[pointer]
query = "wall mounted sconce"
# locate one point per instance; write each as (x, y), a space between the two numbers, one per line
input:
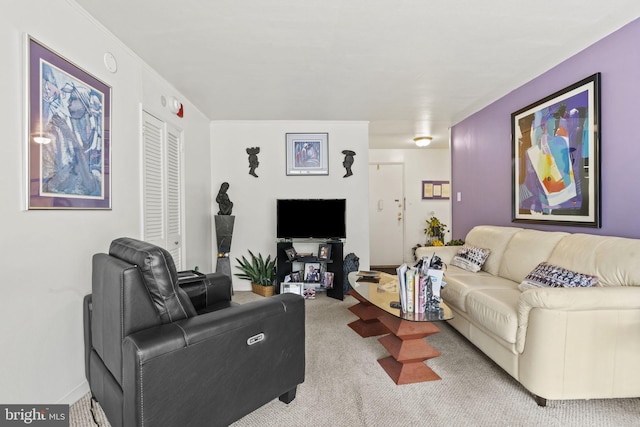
(422, 141)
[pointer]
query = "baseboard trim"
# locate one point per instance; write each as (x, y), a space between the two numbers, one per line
(76, 394)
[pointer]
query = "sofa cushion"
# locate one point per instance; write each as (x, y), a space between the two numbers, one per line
(495, 310)
(493, 238)
(525, 250)
(613, 259)
(470, 258)
(552, 276)
(459, 283)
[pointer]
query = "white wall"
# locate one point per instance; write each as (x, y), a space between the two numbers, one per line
(46, 255)
(254, 199)
(419, 165)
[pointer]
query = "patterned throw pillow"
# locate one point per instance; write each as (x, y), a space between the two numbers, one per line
(552, 276)
(470, 258)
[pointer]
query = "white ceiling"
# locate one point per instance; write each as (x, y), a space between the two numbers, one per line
(408, 66)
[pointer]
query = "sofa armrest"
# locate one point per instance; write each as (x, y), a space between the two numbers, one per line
(213, 354)
(579, 343)
(573, 299)
(446, 253)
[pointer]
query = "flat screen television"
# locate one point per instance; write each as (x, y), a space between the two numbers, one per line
(311, 219)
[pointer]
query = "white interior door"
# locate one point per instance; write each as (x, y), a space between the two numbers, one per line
(386, 214)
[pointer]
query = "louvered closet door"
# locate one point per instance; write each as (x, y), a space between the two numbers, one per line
(162, 189)
(174, 196)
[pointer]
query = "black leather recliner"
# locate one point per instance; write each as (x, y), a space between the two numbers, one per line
(151, 359)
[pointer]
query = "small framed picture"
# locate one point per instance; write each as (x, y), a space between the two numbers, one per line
(291, 253)
(307, 153)
(292, 288)
(324, 251)
(294, 276)
(327, 280)
(312, 272)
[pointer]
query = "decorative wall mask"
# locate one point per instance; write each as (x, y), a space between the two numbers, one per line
(348, 161)
(253, 160)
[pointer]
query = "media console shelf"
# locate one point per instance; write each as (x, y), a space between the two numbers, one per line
(333, 264)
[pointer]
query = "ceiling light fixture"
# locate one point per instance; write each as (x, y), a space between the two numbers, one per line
(422, 141)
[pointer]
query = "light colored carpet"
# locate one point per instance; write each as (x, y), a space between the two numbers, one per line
(345, 386)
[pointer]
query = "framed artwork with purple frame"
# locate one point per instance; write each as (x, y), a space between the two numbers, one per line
(68, 155)
(436, 190)
(556, 158)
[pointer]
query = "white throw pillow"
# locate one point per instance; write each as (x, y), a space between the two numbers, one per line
(470, 258)
(552, 276)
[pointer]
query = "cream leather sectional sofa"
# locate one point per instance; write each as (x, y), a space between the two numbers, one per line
(559, 343)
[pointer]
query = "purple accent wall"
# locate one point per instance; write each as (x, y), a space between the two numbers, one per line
(481, 144)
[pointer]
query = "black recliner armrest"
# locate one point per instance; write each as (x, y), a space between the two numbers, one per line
(234, 360)
(207, 292)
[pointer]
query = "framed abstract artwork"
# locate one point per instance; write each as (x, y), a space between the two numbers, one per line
(307, 153)
(68, 155)
(556, 158)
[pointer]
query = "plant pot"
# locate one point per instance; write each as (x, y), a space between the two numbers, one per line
(265, 291)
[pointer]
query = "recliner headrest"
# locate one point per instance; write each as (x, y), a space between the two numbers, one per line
(159, 273)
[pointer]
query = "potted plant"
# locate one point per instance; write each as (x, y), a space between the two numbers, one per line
(436, 231)
(260, 271)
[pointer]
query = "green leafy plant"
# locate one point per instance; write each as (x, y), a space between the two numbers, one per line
(435, 230)
(455, 242)
(258, 270)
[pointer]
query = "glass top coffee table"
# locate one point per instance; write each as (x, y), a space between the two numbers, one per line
(405, 332)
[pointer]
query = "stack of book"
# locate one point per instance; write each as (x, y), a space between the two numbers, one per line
(419, 286)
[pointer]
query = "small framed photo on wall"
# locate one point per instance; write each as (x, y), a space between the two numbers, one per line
(307, 153)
